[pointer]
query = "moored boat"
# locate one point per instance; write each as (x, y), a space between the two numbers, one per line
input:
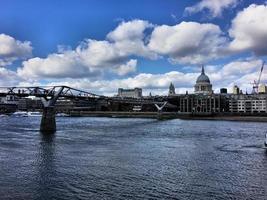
(62, 115)
(34, 114)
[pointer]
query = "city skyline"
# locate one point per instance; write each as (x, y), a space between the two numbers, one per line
(132, 44)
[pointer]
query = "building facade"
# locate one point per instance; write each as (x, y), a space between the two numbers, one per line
(199, 103)
(236, 89)
(262, 89)
(130, 93)
(248, 103)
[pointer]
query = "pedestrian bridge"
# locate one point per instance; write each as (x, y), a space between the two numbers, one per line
(50, 94)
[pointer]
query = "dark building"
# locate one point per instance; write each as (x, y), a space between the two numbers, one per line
(223, 91)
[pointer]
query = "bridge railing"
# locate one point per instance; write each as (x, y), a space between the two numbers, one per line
(47, 91)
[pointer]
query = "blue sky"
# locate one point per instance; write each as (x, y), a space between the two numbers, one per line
(40, 29)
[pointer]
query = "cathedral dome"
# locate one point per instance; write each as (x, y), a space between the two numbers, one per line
(203, 78)
(203, 85)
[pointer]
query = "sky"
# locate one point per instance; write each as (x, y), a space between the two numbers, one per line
(102, 45)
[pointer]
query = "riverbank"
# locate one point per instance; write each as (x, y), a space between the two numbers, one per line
(168, 115)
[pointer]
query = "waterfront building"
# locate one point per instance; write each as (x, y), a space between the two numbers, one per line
(203, 85)
(130, 93)
(248, 103)
(10, 99)
(171, 90)
(192, 103)
(29, 104)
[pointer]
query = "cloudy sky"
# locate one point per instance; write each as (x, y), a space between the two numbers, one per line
(101, 45)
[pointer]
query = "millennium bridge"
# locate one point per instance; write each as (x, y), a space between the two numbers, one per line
(50, 94)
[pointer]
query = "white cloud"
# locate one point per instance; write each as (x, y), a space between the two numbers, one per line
(127, 68)
(8, 77)
(92, 57)
(131, 30)
(215, 7)
(130, 38)
(11, 49)
(188, 42)
(249, 30)
(155, 83)
(54, 66)
(239, 68)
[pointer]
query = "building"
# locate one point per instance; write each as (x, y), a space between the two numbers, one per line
(10, 99)
(248, 103)
(171, 90)
(130, 93)
(203, 101)
(203, 85)
(27, 104)
(236, 89)
(262, 89)
(223, 90)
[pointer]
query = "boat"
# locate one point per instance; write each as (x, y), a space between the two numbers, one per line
(34, 114)
(265, 142)
(62, 115)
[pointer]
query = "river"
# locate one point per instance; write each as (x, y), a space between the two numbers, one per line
(111, 158)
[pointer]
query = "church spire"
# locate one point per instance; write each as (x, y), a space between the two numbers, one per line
(202, 70)
(171, 89)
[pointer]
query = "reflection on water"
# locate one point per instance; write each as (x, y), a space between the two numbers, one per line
(102, 158)
(46, 166)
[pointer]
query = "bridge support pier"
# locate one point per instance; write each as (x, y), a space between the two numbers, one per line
(48, 122)
(160, 108)
(159, 116)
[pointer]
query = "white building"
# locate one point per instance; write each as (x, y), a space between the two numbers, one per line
(248, 104)
(262, 88)
(236, 89)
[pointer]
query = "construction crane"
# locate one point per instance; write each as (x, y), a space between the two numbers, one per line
(255, 89)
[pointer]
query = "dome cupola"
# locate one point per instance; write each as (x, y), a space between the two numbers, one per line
(203, 85)
(203, 78)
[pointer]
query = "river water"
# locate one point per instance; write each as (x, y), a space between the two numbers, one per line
(110, 158)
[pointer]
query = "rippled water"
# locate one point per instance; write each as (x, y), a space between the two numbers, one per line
(109, 158)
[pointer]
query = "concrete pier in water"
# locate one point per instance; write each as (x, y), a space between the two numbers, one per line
(48, 122)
